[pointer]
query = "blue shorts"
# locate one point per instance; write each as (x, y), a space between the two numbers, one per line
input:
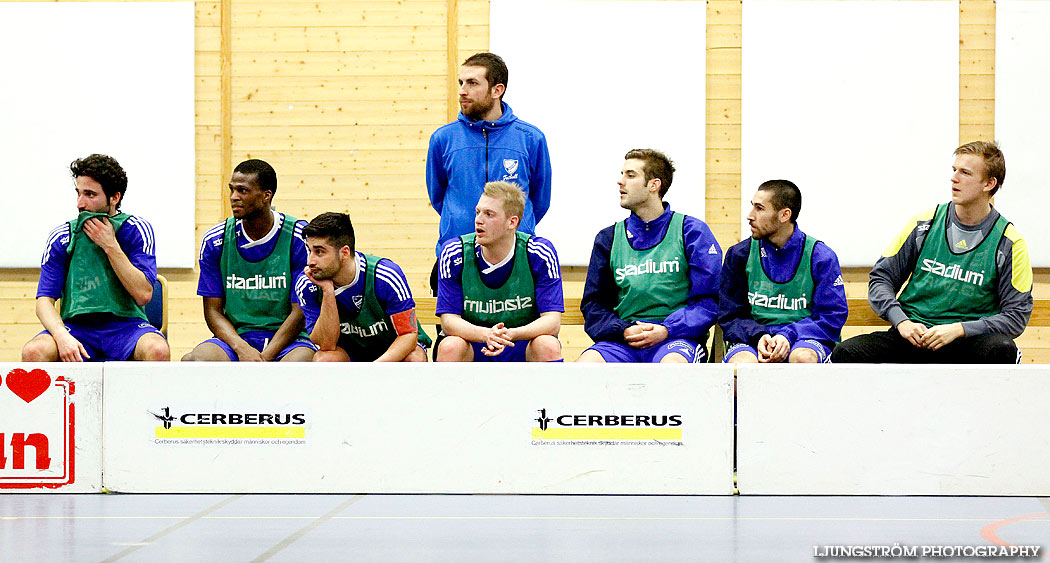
(620, 353)
(258, 339)
(823, 352)
(107, 337)
(514, 353)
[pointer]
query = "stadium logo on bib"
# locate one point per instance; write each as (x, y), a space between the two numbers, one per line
(953, 272)
(778, 301)
(649, 267)
(372, 330)
(256, 282)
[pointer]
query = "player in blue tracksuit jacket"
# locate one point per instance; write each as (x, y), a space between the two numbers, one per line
(781, 296)
(487, 143)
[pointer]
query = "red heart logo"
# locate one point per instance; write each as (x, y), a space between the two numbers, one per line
(28, 385)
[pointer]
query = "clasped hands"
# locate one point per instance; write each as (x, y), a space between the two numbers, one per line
(931, 338)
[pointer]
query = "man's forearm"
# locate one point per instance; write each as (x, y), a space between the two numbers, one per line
(455, 325)
(325, 333)
(284, 336)
(48, 315)
(400, 348)
(219, 325)
(548, 323)
(133, 279)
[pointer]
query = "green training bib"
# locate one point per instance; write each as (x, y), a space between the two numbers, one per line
(652, 283)
(368, 334)
(91, 284)
(257, 293)
(513, 303)
(775, 303)
(949, 287)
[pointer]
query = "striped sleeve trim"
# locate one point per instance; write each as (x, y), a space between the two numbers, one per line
(146, 232)
(300, 289)
(449, 254)
(543, 250)
(210, 236)
(52, 238)
(395, 279)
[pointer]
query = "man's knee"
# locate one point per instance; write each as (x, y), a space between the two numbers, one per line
(337, 355)
(152, 348)
(997, 349)
(743, 357)
(417, 355)
(674, 359)
(299, 354)
(591, 356)
(206, 352)
(543, 348)
(803, 356)
(846, 352)
(455, 349)
(40, 349)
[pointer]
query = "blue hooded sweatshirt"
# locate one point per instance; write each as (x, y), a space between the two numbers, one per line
(465, 154)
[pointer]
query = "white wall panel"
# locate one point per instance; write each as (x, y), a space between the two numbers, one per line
(858, 104)
(600, 78)
(409, 428)
(893, 430)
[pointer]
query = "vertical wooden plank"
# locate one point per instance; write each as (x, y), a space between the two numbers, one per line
(452, 52)
(226, 100)
(977, 70)
(724, 25)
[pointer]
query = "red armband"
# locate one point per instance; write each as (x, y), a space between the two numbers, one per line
(404, 322)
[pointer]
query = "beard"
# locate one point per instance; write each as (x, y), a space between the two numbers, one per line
(477, 110)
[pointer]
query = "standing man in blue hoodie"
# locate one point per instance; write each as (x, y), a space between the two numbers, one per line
(488, 143)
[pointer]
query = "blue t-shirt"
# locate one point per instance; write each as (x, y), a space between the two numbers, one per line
(211, 282)
(135, 238)
(543, 262)
(391, 290)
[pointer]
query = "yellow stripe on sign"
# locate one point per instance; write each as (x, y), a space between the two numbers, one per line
(231, 432)
(607, 433)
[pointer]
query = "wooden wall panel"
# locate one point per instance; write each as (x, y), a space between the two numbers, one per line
(342, 96)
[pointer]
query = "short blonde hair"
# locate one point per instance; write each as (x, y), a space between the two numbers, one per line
(510, 195)
(993, 159)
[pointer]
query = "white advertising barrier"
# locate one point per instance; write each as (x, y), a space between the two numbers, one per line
(449, 428)
(893, 430)
(50, 428)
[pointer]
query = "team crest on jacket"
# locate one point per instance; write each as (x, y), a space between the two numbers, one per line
(358, 301)
(510, 165)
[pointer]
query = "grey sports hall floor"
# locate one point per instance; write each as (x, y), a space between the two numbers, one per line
(158, 528)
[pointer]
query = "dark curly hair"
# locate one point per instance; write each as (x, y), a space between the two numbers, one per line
(105, 170)
(336, 227)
